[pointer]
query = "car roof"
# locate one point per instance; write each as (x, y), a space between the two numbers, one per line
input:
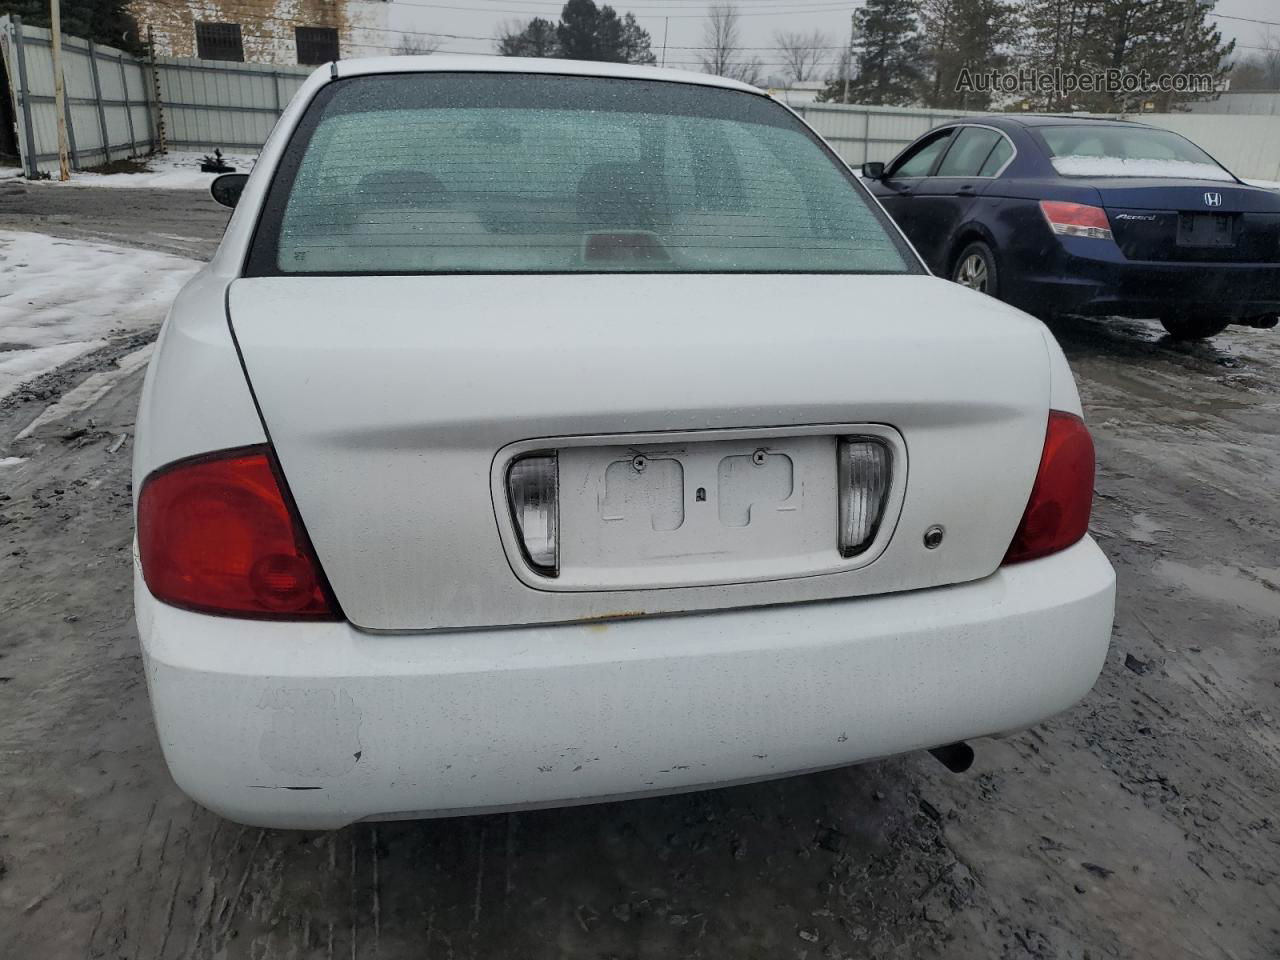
(1048, 119)
(439, 63)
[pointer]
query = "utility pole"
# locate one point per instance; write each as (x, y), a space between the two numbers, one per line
(1186, 45)
(848, 57)
(666, 25)
(59, 95)
(1186, 32)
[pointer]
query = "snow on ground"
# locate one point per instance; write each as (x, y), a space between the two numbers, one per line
(62, 298)
(173, 171)
(92, 389)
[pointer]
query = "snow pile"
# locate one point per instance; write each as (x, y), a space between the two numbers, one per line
(172, 171)
(62, 298)
(1079, 166)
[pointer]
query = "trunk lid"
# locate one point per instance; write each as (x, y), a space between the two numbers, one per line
(395, 403)
(1195, 220)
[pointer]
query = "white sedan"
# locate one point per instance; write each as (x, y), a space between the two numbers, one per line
(545, 432)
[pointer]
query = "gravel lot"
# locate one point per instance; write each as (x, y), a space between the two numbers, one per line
(1143, 823)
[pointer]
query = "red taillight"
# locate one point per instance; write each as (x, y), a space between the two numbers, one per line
(217, 534)
(1057, 514)
(1076, 219)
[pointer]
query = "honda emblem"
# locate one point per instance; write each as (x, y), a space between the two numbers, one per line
(1213, 199)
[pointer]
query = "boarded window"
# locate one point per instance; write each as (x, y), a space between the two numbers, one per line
(316, 44)
(219, 41)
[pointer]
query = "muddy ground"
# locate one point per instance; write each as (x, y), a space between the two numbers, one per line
(186, 223)
(1143, 823)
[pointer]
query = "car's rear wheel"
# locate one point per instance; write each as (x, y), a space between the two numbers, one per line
(976, 269)
(1193, 327)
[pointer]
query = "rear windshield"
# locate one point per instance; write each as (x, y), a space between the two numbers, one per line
(1114, 150)
(517, 173)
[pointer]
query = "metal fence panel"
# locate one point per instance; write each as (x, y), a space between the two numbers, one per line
(102, 89)
(230, 105)
(110, 95)
(1246, 102)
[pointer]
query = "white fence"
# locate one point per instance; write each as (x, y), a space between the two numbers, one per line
(120, 106)
(211, 103)
(107, 108)
(1249, 145)
(1257, 102)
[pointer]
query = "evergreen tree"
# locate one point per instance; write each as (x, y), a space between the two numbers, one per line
(636, 43)
(537, 38)
(102, 21)
(1158, 36)
(579, 29)
(1056, 33)
(588, 32)
(886, 56)
(584, 32)
(964, 33)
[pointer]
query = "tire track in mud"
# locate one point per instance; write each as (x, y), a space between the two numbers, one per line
(1207, 761)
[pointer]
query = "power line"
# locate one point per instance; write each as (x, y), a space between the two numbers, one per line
(245, 6)
(816, 6)
(1227, 16)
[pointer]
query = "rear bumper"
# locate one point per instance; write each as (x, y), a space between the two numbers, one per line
(320, 725)
(1083, 277)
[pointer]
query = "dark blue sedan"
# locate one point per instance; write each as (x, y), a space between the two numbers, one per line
(1063, 215)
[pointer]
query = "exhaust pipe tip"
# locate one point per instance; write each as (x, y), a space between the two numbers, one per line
(956, 757)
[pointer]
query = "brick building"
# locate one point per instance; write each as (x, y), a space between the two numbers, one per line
(265, 31)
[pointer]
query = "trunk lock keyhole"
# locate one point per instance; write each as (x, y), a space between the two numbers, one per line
(933, 537)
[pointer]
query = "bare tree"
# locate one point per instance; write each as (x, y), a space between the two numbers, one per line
(417, 45)
(1270, 58)
(1261, 71)
(802, 53)
(721, 55)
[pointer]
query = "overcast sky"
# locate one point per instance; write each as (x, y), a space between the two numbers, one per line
(474, 22)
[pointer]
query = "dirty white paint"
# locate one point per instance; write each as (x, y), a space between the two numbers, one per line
(489, 719)
(310, 732)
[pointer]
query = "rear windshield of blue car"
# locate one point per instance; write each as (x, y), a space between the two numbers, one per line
(516, 173)
(1120, 150)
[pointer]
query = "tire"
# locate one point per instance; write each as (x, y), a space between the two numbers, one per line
(1193, 328)
(975, 268)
